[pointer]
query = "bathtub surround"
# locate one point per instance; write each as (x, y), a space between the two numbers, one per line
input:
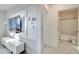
(68, 21)
(65, 7)
(68, 25)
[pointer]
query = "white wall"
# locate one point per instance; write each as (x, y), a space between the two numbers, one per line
(59, 7)
(17, 8)
(2, 26)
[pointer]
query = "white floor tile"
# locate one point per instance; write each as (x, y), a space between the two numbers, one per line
(64, 48)
(4, 50)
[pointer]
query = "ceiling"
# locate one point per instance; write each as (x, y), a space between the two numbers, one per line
(5, 7)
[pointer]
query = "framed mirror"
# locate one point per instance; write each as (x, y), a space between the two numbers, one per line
(15, 24)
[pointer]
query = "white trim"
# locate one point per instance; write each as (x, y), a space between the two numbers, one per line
(14, 15)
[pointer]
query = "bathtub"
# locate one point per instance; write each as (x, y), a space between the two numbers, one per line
(65, 37)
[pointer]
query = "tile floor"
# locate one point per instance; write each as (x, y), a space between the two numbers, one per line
(4, 50)
(64, 48)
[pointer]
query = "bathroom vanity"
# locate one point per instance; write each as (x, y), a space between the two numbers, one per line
(14, 45)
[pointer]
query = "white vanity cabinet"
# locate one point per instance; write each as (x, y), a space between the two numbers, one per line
(23, 38)
(16, 47)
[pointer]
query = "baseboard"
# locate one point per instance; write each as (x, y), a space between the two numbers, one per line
(29, 51)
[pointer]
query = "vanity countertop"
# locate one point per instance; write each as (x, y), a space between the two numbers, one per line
(16, 43)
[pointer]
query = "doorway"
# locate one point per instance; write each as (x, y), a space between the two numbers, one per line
(62, 38)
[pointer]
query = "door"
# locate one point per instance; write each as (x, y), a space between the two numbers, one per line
(50, 29)
(78, 29)
(44, 26)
